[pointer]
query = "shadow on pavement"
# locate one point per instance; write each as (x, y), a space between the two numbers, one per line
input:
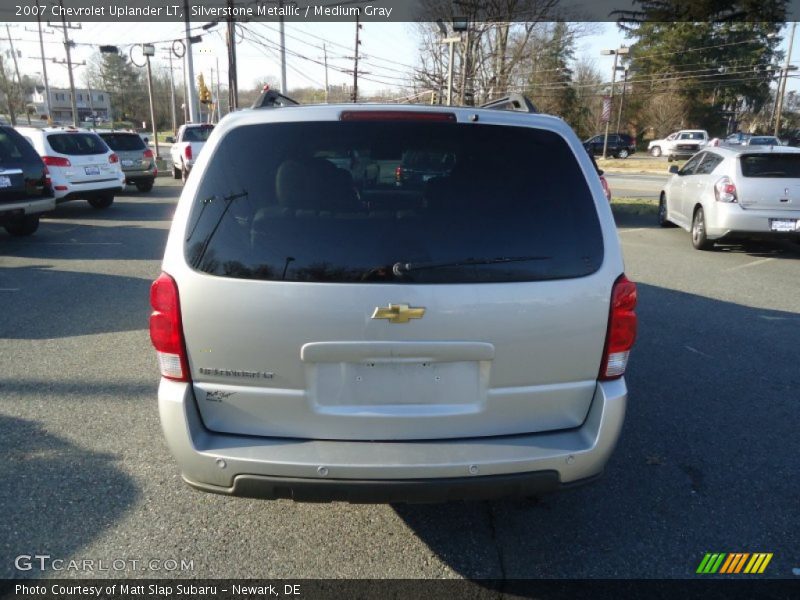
(56, 497)
(77, 303)
(707, 461)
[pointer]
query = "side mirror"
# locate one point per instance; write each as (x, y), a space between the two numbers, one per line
(674, 169)
(170, 139)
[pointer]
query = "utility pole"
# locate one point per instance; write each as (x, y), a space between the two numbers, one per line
(464, 66)
(219, 98)
(191, 99)
(233, 84)
(622, 98)
(213, 104)
(16, 70)
(44, 65)
(172, 95)
(67, 46)
(616, 53)
(149, 50)
(451, 42)
(355, 61)
(782, 90)
(281, 27)
(325, 57)
(11, 113)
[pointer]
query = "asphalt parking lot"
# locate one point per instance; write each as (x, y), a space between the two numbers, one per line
(707, 461)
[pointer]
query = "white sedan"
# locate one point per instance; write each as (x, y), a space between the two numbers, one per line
(730, 193)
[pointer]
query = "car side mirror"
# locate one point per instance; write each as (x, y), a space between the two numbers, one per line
(170, 139)
(674, 170)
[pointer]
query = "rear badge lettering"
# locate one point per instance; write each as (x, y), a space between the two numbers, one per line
(237, 373)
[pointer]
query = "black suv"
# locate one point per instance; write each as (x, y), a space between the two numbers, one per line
(620, 145)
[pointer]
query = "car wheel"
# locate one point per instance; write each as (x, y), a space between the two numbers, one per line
(623, 153)
(655, 151)
(669, 158)
(176, 173)
(699, 239)
(662, 212)
(102, 201)
(144, 187)
(25, 226)
(184, 173)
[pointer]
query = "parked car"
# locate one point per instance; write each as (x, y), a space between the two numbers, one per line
(25, 188)
(762, 140)
(736, 139)
(680, 144)
(186, 147)
(471, 346)
(734, 193)
(137, 160)
(620, 145)
(81, 165)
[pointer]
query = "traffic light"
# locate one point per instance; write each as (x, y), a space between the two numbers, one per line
(434, 98)
(205, 93)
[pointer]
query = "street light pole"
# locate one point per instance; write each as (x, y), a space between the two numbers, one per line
(44, 65)
(783, 81)
(67, 46)
(616, 53)
(622, 98)
(149, 50)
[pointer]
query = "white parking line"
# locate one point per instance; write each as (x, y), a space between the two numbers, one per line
(633, 229)
(74, 244)
(750, 264)
(9, 289)
(696, 351)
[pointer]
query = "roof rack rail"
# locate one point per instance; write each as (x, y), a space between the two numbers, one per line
(516, 102)
(272, 99)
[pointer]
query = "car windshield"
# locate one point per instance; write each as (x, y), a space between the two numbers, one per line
(122, 142)
(77, 143)
(197, 134)
(763, 141)
(280, 211)
(771, 165)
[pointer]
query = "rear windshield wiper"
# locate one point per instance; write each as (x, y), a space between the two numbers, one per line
(400, 268)
(204, 244)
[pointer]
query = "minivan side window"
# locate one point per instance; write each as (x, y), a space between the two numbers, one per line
(691, 164)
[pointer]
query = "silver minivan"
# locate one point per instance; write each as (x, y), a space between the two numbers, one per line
(464, 336)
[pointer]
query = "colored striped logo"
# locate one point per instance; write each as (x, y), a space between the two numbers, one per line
(734, 562)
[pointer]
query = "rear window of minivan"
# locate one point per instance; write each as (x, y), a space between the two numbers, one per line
(76, 143)
(770, 164)
(513, 205)
(123, 142)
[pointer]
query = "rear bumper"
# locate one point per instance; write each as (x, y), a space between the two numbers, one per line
(77, 191)
(413, 471)
(731, 221)
(11, 211)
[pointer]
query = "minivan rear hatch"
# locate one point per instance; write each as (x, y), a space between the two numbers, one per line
(469, 303)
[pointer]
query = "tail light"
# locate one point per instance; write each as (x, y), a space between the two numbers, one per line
(148, 153)
(606, 189)
(113, 159)
(187, 152)
(166, 330)
(397, 115)
(621, 329)
(56, 161)
(724, 190)
(46, 177)
(398, 174)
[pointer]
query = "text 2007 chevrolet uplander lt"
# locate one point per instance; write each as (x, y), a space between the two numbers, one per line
(323, 335)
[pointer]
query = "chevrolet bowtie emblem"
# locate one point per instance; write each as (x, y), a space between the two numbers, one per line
(398, 313)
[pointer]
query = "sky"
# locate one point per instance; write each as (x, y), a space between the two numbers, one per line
(387, 50)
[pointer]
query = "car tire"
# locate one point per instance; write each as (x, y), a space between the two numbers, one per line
(623, 153)
(145, 186)
(184, 173)
(655, 151)
(699, 239)
(27, 225)
(669, 158)
(102, 201)
(176, 172)
(662, 212)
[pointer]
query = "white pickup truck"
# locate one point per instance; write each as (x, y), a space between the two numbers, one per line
(682, 143)
(190, 141)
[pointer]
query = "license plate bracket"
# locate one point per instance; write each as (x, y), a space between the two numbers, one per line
(784, 225)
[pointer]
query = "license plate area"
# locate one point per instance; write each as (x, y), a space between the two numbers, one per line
(127, 163)
(5, 181)
(784, 225)
(92, 170)
(398, 383)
